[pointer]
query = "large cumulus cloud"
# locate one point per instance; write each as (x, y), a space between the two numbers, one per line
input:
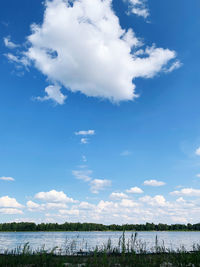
(81, 46)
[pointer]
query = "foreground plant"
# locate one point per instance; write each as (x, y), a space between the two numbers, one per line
(131, 252)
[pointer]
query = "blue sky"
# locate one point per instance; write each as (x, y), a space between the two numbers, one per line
(99, 107)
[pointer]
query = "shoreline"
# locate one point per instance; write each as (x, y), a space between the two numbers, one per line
(80, 231)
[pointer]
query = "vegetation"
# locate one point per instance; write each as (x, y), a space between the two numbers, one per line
(128, 253)
(27, 226)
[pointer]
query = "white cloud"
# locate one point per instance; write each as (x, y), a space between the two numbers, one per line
(8, 202)
(139, 8)
(53, 92)
(158, 200)
(106, 206)
(154, 183)
(84, 140)
(135, 190)
(69, 212)
(197, 152)
(54, 196)
(99, 184)
(3, 178)
(176, 65)
(143, 12)
(95, 184)
(180, 200)
(86, 206)
(198, 175)
(32, 205)
(154, 62)
(10, 211)
(116, 195)
(128, 203)
(17, 59)
(8, 43)
(126, 153)
(84, 175)
(55, 205)
(148, 208)
(88, 132)
(191, 192)
(82, 47)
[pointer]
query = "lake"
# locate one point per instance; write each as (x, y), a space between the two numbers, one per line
(86, 241)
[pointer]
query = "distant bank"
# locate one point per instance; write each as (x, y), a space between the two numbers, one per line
(30, 226)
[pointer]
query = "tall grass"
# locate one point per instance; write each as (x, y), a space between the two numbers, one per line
(128, 252)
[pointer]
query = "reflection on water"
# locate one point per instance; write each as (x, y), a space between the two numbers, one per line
(89, 240)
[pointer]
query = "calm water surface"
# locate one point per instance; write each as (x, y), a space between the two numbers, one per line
(89, 240)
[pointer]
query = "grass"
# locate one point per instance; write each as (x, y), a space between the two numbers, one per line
(131, 252)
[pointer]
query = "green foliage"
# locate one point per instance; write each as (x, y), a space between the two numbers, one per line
(28, 226)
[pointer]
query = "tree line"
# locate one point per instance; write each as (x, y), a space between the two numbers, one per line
(30, 226)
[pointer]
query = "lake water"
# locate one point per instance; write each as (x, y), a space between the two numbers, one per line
(74, 241)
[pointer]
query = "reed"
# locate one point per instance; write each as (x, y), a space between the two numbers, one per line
(128, 252)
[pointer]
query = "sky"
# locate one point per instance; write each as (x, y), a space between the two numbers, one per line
(99, 104)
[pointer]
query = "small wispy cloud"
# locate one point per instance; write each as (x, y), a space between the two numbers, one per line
(84, 140)
(96, 185)
(176, 65)
(197, 152)
(84, 133)
(3, 178)
(154, 183)
(99, 184)
(139, 8)
(22, 61)
(143, 12)
(8, 43)
(88, 132)
(84, 175)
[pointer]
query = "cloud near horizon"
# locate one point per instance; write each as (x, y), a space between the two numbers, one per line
(54, 196)
(10, 206)
(56, 207)
(191, 192)
(120, 210)
(117, 195)
(81, 46)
